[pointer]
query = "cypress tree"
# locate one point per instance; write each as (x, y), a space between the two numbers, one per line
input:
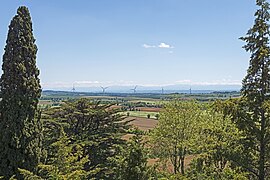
(256, 88)
(20, 135)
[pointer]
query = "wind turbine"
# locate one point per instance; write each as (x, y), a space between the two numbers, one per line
(134, 89)
(190, 90)
(104, 89)
(73, 88)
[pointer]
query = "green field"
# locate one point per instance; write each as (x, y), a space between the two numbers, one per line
(140, 114)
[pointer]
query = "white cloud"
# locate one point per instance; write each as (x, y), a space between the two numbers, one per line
(148, 46)
(126, 83)
(56, 84)
(161, 45)
(220, 82)
(185, 81)
(207, 83)
(164, 45)
(87, 82)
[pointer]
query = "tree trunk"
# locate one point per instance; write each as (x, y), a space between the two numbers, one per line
(175, 160)
(183, 165)
(183, 161)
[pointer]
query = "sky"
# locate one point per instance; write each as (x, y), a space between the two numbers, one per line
(136, 42)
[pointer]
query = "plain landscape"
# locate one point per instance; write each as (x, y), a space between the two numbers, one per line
(124, 114)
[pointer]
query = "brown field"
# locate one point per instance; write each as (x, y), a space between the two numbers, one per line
(45, 102)
(143, 123)
(115, 107)
(147, 109)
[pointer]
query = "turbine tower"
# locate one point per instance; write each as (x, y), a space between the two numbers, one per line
(104, 89)
(134, 89)
(190, 90)
(162, 90)
(73, 88)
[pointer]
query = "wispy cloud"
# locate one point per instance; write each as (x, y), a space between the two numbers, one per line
(164, 45)
(185, 81)
(210, 83)
(86, 83)
(148, 46)
(126, 83)
(161, 45)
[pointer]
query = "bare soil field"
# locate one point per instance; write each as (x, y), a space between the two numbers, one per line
(148, 109)
(115, 107)
(143, 123)
(45, 102)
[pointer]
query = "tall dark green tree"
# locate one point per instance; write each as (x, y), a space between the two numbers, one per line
(96, 127)
(20, 135)
(255, 91)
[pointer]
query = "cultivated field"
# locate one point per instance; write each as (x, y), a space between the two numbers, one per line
(143, 123)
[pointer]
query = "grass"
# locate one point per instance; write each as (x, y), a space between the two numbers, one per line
(141, 114)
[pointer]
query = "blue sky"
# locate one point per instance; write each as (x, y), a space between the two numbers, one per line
(130, 42)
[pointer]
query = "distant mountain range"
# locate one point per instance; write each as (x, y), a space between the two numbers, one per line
(155, 89)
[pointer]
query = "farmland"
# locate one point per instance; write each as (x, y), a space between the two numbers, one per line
(144, 106)
(139, 91)
(143, 109)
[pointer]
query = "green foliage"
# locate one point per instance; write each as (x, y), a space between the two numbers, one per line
(219, 140)
(255, 121)
(97, 128)
(133, 161)
(211, 173)
(219, 145)
(177, 132)
(204, 132)
(20, 135)
(67, 162)
(83, 139)
(27, 175)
